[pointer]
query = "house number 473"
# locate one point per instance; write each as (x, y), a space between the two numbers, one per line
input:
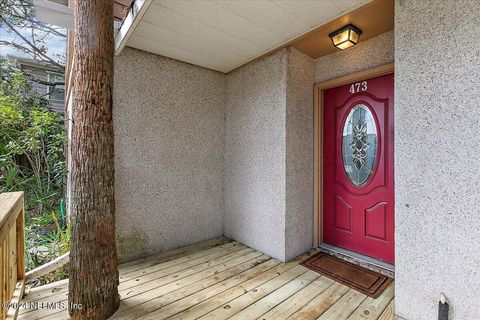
(358, 86)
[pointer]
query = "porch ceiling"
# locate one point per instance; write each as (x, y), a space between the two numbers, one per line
(223, 35)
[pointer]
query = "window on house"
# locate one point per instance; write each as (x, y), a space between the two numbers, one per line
(56, 92)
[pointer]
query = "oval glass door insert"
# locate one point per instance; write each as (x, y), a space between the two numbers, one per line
(359, 145)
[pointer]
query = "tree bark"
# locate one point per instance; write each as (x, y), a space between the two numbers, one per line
(93, 284)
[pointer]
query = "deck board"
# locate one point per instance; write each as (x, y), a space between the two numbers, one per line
(344, 307)
(215, 302)
(176, 308)
(278, 296)
(389, 312)
(373, 308)
(223, 279)
(299, 299)
(155, 299)
(321, 303)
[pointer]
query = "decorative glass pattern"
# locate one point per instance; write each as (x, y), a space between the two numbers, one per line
(359, 145)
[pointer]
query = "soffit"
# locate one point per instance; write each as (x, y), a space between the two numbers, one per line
(223, 35)
(373, 19)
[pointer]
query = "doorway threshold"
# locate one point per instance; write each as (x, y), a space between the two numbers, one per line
(359, 259)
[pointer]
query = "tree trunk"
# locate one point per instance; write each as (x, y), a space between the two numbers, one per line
(93, 286)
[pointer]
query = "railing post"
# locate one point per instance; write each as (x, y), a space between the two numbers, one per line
(12, 252)
(21, 242)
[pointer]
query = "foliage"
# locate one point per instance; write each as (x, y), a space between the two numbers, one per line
(29, 35)
(47, 239)
(32, 140)
(31, 143)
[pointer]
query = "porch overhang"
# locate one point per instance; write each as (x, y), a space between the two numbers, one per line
(54, 12)
(58, 13)
(224, 35)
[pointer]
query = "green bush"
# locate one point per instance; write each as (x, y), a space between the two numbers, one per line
(32, 140)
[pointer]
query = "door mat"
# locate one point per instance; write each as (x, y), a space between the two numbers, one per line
(363, 280)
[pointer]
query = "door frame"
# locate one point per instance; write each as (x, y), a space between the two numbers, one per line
(318, 90)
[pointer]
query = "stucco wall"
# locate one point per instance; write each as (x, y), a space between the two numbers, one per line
(365, 55)
(255, 155)
(268, 119)
(299, 154)
(189, 140)
(437, 118)
(199, 153)
(169, 142)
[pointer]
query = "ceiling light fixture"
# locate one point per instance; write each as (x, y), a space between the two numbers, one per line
(345, 37)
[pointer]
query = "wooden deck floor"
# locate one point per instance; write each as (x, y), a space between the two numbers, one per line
(218, 279)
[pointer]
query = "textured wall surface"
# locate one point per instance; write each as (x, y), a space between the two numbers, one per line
(255, 146)
(269, 155)
(299, 154)
(169, 142)
(365, 55)
(437, 156)
(189, 140)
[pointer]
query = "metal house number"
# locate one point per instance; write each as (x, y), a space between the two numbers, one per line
(358, 86)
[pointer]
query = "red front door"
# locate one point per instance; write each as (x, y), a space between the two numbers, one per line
(358, 168)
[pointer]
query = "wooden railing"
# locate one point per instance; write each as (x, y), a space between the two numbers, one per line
(12, 249)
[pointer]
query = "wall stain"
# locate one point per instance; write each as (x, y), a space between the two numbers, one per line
(132, 245)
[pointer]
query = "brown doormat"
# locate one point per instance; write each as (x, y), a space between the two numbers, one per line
(366, 281)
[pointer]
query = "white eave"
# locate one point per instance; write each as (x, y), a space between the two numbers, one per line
(216, 34)
(54, 13)
(224, 34)
(134, 16)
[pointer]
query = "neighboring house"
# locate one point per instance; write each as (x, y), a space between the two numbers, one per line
(240, 118)
(48, 73)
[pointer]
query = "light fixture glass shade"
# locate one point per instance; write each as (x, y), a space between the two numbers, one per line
(345, 37)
